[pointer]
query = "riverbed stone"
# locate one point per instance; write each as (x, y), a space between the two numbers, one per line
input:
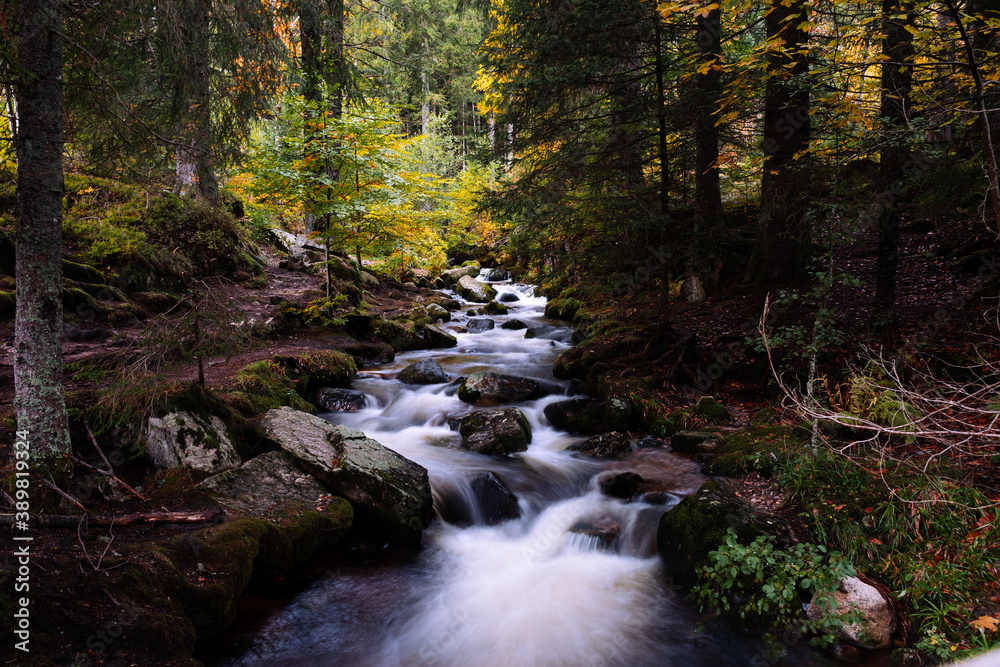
(545, 332)
(185, 440)
(497, 503)
(611, 445)
(425, 371)
(479, 325)
(496, 431)
(471, 289)
(338, 399)
(508, 297)
(487, 388)
(605, 529)
(711, 410)
(438, 312)
(877, 622)
(494, 308)
(589, 416)
(623, 485)
(452, 276)
(695, 442)
(497, 275)
(514, 325)
(390, 494)
(698, 524)
(436, 337)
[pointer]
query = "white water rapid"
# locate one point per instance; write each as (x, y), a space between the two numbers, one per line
(529, 591)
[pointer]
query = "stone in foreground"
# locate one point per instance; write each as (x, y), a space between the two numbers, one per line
(390, 494)
(612, 445)
(472, 290)
(183, 440)
(498, 431)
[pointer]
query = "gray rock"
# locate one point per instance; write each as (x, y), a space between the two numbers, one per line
(498, 431)
(436, 312)
(452, 276)
(451, 304)
(712, 410)
(508, 297)
(436, 337)
(611, 445)
(425, 371)
(545, 331)
(514, 325)
(485, 388)
(695, 442)
(877, 624)
(390, 494)
(471, 289)
(479, 325)
(497, 275)
(336, 399)
(267, 486)
(368, 279)
(183, 440)
(624, 485)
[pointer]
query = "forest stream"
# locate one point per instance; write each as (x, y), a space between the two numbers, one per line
(574, 581)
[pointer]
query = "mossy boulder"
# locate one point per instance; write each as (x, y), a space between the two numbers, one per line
(496, 431)
(495, 308)
(425, 371)
(78, 302)
(695, 442)
(390, 494)
(753, 450)
(263, 385)
(590, 416)
(677, 420)
(83, 273)
(182, 439)
(712, 411)
(437, 312)
(472, 290)
(154, 302)
(323, 368)
(370, 353)
(486, 388)
(698, 524)
(564, 309)
(452, 276)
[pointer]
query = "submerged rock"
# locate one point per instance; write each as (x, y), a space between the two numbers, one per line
(497, 431)
(589, 416)
(605, 529)
(425, 371)
(337, 399)
(485, 388)
(624, 485)
(390, 494)
(183, 440)
(877, 622)
(471, 289)
(479, 325)
(612, 445)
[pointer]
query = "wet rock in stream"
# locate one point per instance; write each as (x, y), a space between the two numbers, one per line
(485, 388)
(497, 431)
(425, 371)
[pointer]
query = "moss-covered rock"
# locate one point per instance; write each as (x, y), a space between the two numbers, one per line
(495, 308)
(154, 302)
(695, 442)
(472, 290)
(757, 449)
(677, 420)
(712, 411)
(590, 416)
(611, 445)
(81, 304)
(181, 439)
(322, 368)
(499, 431)
(83, 273)
(564, 309)
(698, 524)
(263, 385)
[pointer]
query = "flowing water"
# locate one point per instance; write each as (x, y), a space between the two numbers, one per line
(529, 591)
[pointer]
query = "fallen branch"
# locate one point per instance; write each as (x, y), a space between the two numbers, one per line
(110, 472)
(73, 520)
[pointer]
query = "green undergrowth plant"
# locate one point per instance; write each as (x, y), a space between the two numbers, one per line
(766, 586)
(930, 539)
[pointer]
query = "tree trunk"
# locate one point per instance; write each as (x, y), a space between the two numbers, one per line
(661, 116)
(38, 327)
(784, 238)
(200, 121)
(897, 81)
(707, 195)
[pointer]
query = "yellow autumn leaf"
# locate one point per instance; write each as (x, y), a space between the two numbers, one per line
(986, 623)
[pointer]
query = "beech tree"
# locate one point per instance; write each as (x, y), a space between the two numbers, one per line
(38, 328)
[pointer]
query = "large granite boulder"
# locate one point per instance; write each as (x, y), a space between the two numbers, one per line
(272, 486)
(486, 388)
(438, 312)
(452, 276)
(497, 431)
(589, 416)
(185, 440)
(612, 445)
(436, 337)
(425, 371)
(478, 325)
(877, 622)
(698, 525)
(390, 494)
(471, 289)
